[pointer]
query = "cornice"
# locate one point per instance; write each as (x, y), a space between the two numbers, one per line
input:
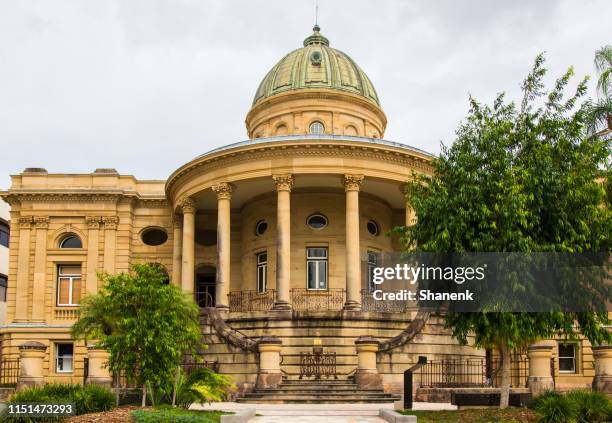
(274, 150)
(13, 196)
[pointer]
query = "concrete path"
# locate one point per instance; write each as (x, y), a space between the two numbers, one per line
(316, 413)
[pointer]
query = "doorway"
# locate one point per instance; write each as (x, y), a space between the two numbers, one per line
(205, 286)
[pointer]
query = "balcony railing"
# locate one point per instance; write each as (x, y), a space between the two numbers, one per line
(368, 303)
(245, 301)
(317, 300)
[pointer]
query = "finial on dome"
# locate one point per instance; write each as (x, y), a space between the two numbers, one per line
(316, 37)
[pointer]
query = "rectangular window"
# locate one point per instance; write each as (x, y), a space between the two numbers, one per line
(262, 272)
(316, 268)
(68, 285)
(567, 358)
(64, 358)
(373, 262)
(4, 234)
(3, 287)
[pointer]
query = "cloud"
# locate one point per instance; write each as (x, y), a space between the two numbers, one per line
(146, 85)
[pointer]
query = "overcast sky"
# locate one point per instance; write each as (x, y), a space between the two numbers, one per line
(146, 85)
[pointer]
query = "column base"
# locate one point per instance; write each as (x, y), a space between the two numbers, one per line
(102, 381)
(269, 380)
(603, 384)
(367, 380)
(352, 306)
(29, 382)
(281, 306)
(540, 384)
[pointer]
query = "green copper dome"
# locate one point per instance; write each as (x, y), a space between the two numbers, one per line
(316, 65)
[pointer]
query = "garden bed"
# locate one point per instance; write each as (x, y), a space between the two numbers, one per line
(487, 415)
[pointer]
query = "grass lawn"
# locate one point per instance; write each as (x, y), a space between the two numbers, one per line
(487, 415)
(165, 414)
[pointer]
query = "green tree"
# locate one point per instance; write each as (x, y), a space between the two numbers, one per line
(145, 324)
(518, 179)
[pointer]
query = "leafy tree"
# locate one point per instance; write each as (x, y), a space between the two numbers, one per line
(144, 323)
(522, 179)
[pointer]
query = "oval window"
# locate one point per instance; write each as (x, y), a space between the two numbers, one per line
(316, 128)
(154, 236)
(316, 221)
(261, 227)
(71, 241)
(373, 228)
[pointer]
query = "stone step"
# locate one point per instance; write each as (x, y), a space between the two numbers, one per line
(322, 400)
(310, 388)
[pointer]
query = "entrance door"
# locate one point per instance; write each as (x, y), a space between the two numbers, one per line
(205, 287)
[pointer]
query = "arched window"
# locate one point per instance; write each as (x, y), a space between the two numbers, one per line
(316, 221)
(316, 128)
(71, 241)
(154, 236)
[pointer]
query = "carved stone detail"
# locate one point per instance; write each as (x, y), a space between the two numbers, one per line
(41, 222)
(187, 205)
(93, 222)
(223, 190)
(283, 182)
(352, 182)
(25, 222)
(177, 221)
(110, 222)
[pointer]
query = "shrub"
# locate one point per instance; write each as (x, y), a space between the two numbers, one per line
(591, 407)
(86, 399)
(555, 408)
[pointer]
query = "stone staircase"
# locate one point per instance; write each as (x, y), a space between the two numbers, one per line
(293, 391)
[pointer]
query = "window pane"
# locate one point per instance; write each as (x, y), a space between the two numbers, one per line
(262, 258)
(64, 350)
(2, 293)
(566, 350)
(71, 242)
(76, 290)
(70, 270)
(63, 288)
(317, 252)
(566, 365)
(322, 265)
(312, 271)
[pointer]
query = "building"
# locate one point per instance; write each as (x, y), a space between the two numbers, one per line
(273, 236)
(4, 257)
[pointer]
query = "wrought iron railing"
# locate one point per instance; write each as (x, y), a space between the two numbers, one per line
(368, 303)
(317, 300)
(466, 373)
(318, 364)
(251, 300)
(9, 372)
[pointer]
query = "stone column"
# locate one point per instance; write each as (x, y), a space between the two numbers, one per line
(410, 214)
(284, 183)
(177, 246)
(188, 267)
(99, 373)
(353, 263)
(366, 376)
(110, 241)
(31, 356)
(40, 264)
(269, 375)
(93, 238)
(224, 195)
(540, 375)
(23, 269)
(603, 368)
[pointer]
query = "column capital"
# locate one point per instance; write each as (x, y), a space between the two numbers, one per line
(283, 182)
(187, 205)
(93, 222)
(223, 190)
(110, 222)
(25, 222)
(352, 182)
(41, 222)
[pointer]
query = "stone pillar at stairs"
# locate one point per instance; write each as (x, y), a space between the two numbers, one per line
(603, 369)
(366, 376)
(540, 375)
(269, 375)
(31, 356)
